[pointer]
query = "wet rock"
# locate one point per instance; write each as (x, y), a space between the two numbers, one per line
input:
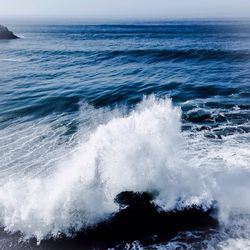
(6, 34)
(138, 219)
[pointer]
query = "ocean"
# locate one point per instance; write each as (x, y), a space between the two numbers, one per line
(125, 135)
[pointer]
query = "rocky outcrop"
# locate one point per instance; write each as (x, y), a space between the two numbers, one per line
(6, 34)
(138, 218)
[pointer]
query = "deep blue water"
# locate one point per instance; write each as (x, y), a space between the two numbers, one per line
(59, 81)
(53, 68)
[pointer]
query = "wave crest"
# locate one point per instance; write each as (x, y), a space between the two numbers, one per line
(143, 151)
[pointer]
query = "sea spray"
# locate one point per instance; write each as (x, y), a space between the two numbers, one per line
(142, 151)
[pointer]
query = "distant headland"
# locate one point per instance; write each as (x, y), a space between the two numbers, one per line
(6, 34)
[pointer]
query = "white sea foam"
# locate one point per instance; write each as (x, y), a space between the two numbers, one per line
(235, 244)
(143, 150)
(12, 60)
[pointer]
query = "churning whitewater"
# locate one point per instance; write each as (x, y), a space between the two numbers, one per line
(63, 185)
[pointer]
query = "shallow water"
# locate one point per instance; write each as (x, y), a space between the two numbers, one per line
(90, 111)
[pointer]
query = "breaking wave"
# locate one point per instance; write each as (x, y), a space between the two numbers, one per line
(60, 186)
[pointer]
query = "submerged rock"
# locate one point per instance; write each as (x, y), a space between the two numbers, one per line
(6, 34)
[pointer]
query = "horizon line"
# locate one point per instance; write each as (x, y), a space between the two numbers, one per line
(115, 19)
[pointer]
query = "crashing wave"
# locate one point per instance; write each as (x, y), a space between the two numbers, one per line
(141, 151)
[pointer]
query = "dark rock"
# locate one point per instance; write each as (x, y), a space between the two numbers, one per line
(137, 219)
(201, 128)
(6, 34)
